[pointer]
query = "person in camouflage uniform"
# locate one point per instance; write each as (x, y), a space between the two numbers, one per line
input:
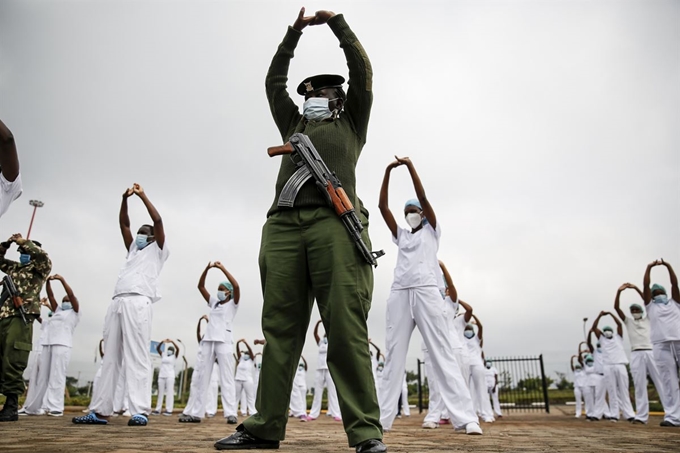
(29, 276)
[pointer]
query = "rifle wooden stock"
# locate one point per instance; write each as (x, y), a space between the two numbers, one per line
(280, 150)
(339, 198)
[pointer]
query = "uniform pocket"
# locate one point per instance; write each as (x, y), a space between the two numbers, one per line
(19, 354)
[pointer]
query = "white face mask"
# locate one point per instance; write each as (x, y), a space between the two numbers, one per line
(246, 356)
(170, 352)
(414, 220)
(608, 334)
(661, 299)
(637, 316)
(469, 334)
(221, 296)
(316, 109)
(66, 306)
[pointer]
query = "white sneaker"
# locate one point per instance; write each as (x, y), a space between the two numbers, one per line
(22, 411)
(127, 413)
(430, 425)
(473, 429)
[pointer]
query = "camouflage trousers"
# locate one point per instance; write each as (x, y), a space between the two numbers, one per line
(15, 346)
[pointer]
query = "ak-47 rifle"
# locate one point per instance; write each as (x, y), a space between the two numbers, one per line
(9, 290)
(310, 165)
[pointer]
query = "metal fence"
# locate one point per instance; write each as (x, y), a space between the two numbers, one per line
(521, 384)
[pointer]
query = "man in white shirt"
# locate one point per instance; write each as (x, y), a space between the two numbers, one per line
(664, 317)
(166, 377)
(10, 178)
(615, 372)
(642, 361)
(217, 344)
(491, 376)
(35, 395)
(127, 325)
(323, 379)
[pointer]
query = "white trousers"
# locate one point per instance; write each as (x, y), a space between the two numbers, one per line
(579, 395)
(120, 396)
(32, 404)
(497, 403)
(667, 357)
(642, 364)
(220, 351)
(246, 389)
(435, 404)
(323, 379)
(195, 384)
(127, 335)
(404, 398)
(211, 404)
(166, 388)
(49, 395)
(298, 400)
(597, 407)
(616, 377)
(425, 308)
(479, 392)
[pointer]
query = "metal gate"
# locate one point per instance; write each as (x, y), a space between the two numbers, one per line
(521, 384)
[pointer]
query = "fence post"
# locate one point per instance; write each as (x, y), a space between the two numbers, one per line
(420, 390)
(545, 386)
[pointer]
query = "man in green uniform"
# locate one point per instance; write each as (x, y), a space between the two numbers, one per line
(306, 253)
(16, 335)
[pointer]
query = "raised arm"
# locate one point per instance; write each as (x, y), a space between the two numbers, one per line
(69, 292)
(617, 302)
(201, 283)
(316, 331)
(199, 337)
(383, 203)
(360, 92)
(590, 341)
(158, 348)
(594, 329)
(9, 159)
(101, 348)
(428, 212)
(50, 295)
(124, 219)
(377, 349)
(619, 326)
(453, 294)
(571, 362)
(250, 351)
(468, 310)
(236, 296)
(584, 343)
(158, 231)
(304, 361)
(675, 291)
(480, 330)
(646, 291)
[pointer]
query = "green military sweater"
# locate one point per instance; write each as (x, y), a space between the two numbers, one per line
(28, 279)
(339, 141)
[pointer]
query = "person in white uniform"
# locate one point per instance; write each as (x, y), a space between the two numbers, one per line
(323, 379)
(402, 404)
(166, 377)
(491, 377)
(196, 379)
(127, 325)
(218, 342)
(298, 396)
(10, 178)
(615, 372)
(664, 318)
(213, 391)
(600, 407)
(579, 385)
(34, 365)
(642, 363)
(480, 396)
(415, 300)
(244, 378)
(56, 352)
(593, 382)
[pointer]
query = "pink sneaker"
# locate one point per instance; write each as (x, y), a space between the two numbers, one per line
(337, 419)
(444, 421)
(303, 418)
(310, 419)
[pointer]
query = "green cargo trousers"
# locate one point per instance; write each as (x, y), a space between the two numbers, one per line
(307, 254)
(15, 346)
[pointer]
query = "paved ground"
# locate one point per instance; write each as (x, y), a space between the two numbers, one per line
(557, 432)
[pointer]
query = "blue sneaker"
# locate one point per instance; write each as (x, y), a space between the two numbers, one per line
(138, 420)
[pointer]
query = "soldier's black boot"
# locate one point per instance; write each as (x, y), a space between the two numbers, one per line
(10, 412)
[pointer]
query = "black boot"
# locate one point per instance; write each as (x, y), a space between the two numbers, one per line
(9, 412)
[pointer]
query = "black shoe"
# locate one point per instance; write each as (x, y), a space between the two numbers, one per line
(10, 411)
(184, 418)
(371, 446)
(668, 424)
(637, 421)
(231, 420)
(243, 440)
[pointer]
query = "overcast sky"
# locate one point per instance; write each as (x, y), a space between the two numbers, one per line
(546, 134)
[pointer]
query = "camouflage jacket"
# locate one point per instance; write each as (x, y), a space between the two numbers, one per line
(28, 279)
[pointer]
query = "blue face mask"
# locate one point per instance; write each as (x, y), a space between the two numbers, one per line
(316, 109)
(66, 306)
(658, 299)
(469, 334)
(246, 356)
(24, 259)
(142, 241)
(221, 296)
